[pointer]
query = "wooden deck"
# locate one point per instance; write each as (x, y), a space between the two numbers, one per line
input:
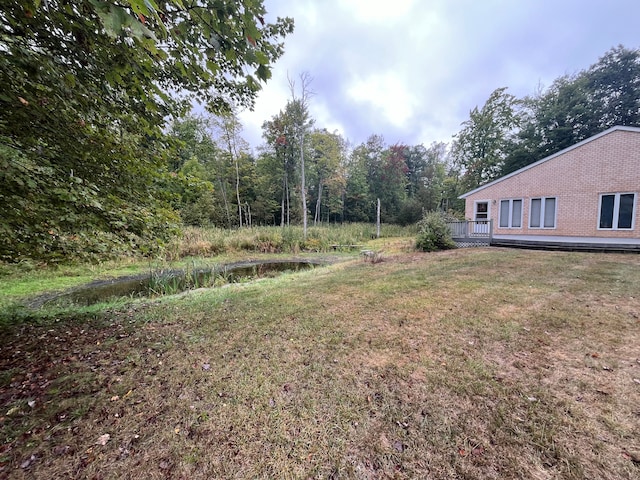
(480, 234)
(583, 244)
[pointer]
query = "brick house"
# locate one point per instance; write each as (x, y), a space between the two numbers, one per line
(583, 197)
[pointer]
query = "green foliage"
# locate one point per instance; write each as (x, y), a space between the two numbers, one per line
(83, 102)
(482, 145)
(575, 107)
(326, 175)
(434, 234)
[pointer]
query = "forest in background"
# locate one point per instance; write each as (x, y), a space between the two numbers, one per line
(97, 159)
(344, 181)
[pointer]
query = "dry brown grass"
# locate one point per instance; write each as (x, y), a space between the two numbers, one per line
(462, 364)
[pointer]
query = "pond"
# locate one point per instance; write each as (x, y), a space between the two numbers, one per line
(169, 282)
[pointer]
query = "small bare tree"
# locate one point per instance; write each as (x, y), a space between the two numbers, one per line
(229, 134)
(302, 124)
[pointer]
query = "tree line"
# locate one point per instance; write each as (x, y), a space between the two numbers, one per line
(343, 182)
(233, 187)
(99, 155)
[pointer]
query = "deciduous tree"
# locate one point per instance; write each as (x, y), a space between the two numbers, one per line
(481, 147)
(85, 88)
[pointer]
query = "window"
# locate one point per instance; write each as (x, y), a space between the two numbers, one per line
(616, 211)
(510, 213)
(542, 213)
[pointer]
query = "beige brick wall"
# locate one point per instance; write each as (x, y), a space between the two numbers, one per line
(608, 164)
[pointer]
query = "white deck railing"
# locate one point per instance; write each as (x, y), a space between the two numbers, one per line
(469, 229)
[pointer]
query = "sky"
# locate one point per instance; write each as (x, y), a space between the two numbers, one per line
(411, 70)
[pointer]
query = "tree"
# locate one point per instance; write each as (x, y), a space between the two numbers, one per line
(279, 133)
(358, 204)
(426, 174)
(480, 148)
(84, 93)
(229, 131)
(613, 84)
(196, 161)
(327, 159)
(393, 183)
(576, 107)
(298, 109)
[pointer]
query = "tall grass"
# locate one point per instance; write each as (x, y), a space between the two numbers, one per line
(216, 241)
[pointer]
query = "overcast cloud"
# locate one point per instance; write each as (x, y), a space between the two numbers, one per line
(411, 70)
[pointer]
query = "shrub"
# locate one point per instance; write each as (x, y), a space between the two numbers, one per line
(434, 233)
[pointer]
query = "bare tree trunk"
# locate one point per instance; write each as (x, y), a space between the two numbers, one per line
(229, 127)
(378, 220)
(317, 217)
(248, 216)
(284, 193)
(288, 201)
(238, 193)
(305, 80)
(226, 203)
(303, 187)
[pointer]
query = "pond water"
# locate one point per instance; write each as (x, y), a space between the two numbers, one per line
(172, 281)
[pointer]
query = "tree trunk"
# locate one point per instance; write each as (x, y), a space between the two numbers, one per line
(378, 221)
(238, 193)
(248, 216)
(284, 192)
(304, 189)
(317, 217)
(226, 203)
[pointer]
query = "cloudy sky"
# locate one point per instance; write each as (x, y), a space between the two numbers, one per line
(411, 70)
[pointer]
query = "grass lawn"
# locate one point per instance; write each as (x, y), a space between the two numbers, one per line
(471, 363)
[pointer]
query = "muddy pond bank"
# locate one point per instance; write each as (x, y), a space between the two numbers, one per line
(168, 282)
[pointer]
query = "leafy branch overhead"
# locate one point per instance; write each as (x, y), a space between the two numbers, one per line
(218, 49)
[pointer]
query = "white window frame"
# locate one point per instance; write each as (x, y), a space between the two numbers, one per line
(616, 211)
(510, 219)
(542, 213)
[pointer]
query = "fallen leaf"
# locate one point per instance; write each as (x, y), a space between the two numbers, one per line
(28, 462)
(398, 446)
(31, 403)
(103, 439)
(62, 450)
(477, 451)
(206, 366)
